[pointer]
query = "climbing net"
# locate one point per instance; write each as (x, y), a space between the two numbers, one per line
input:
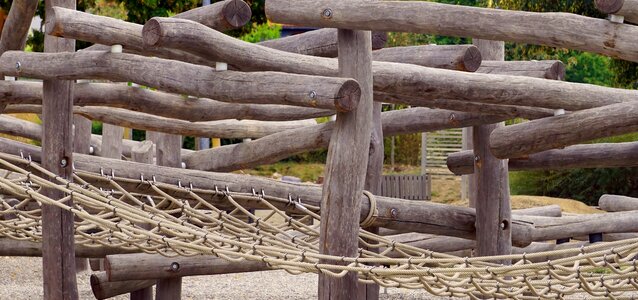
(182, 220)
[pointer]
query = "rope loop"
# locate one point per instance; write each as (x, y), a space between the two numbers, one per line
(373, 213)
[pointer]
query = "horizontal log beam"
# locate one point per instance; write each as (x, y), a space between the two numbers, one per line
(278, 146)
(179, 77)
(564, 130)
(548, 69)
(547, 228)
(320, 42)
(159, 103)
(453, 57)
(613, 203)
(22, 128)
(16, 26)
(605, 155)
(103, 288)
(585, 33)
(10, 247)
(144, 266)
(223, 15)
(625, 8)
(396, 79)
(545, 211)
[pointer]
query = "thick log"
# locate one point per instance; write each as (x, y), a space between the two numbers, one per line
(221, 129)
(103, 288)
(82, 134)
(112, 141)
(10, 247)
(614, 203)
(143, 152)
(432, 242)
(223, 15)
(453, 57)
(159, 103)
(275, 147)
(625, 8)
(179, 77)
(606, 155)
(320, 42)
(144, 266)
(16, 26)
(545, 211)
(18, 127)
(564, 130)
(393, 78)
(585, 33)
(547, 228)
(548, 69)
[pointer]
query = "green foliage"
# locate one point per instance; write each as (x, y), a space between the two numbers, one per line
(262, 32)
(139, 11)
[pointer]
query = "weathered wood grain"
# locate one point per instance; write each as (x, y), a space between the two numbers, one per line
(143, 152)
(605, 155)
(346, 167)
(22, 128)
(16, 26)
(585, 33)
(545, 211)
(179, 77)
(81, 134)
(393, 78)
(548, 69)
(103, 288)
(547, 228)
(564, 130)
(453, 57)
(112, 136)
(11, 247)
(614, 203)
(625, 8)
(320, 42)
(223, 15)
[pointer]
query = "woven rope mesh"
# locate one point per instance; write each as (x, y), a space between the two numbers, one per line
(183, 220)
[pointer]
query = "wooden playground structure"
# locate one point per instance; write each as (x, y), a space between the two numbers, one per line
(155, 212)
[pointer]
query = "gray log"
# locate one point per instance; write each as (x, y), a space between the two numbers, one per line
(564, 130)
(547, 228)
(82, 134)
(320, 42)
(112, 141)
(586, 34)
(393, 78)
(614, 203)
(143, 152)
(11, 247)
(606, 155)
(625, 8)
(432, 242)
(18, 127)
(179, 77)
(16, 26)
(453, 57)
(548, 69)
(545, 211)
(223, 15)
(103, 288)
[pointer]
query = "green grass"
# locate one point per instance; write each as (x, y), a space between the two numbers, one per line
(307, 172)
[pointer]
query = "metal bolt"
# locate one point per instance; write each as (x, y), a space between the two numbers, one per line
(175, 266)
(327, 13)
(18, 66)
(477, 158)
(63, 162)
(312, 94)
(452, 117)
(394, 212)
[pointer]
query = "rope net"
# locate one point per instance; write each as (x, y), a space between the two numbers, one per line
(181, 220)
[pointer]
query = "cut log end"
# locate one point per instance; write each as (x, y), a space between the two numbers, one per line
(152, 33)
(347, 98)
(472, 59)
(52, 27)
(379, 39)
(556, 71)
(237, 13)
(96, 286)
(609, 6)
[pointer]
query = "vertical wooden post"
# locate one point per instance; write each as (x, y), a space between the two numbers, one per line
(346, 167)
(81, 144)
(424, 153)
(58, 252)
(112, 141)
(491, 183)
(466, 141)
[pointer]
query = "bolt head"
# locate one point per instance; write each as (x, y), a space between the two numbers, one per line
(175, 266)
(312, 94)
(18, 66)
(64, 162)
(327, 13)
(394, 213)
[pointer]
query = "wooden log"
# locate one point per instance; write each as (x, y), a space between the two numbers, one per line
(393, 78)
(221, 128)
(432, 242)
(548, 69)
(144, 266)
(10, 247)
(16, 26)
(545, 211)
(564, 130)
(625, 8)
(159, 103)
(340, 94)
(223, 15)
(547, 228)
(586, 34)
(453, 57)
(58, 251)
(143, 152)
(275, 147)
(346, 167)
(103, 288)
(614, 203)
(18, 127)
(112, 141)
(320, 42)
(82, 134)
(605, 155)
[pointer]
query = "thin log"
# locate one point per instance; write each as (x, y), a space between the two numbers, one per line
(605, 155)
(275, 147)
(10, 247)
(18, 127)
(564, 130)
(547, 228)
(320, 42)
(103, 288)
(548, 69)
(112, 141)
(545, 211)
(453, 57)
(222, 15)
(625, 8)
(340, 94)
(432, 242)
(82, 134)
(143, 152)
(393, 78)
(614, 203)
(16, 26)
(585, 33)
(144, 266)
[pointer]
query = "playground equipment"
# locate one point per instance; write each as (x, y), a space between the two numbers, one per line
(155, 223)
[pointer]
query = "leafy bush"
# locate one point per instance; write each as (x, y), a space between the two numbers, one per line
(262, 32)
